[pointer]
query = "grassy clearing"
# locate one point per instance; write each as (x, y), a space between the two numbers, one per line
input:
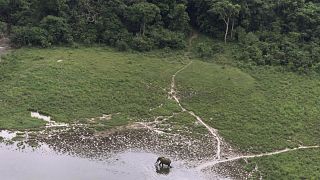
(87, 83)
(302, 164)
(257, 111)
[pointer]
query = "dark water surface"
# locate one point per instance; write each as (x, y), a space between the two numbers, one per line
(45, 164)
(76, 154)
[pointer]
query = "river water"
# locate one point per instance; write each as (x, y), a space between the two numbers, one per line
(43, 162)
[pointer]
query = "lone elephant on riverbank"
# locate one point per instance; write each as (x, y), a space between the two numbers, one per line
(164, 161)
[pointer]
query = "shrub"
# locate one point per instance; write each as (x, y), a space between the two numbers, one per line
(85, 32)
(217, 48)
(165, 38)
(30, 36)
(142, 43)
(3, 28)
(89, 37)
(57, 28)
(254, 54)
(241, 34)
(113, 30)
(121, 45)
(251, 39)
(204, 50)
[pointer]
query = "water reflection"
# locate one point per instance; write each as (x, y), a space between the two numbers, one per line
(82, 156)
(46, 164)
(162, 170)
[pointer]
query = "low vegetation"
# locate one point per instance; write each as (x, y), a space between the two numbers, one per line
(293, 165)
(255, 109)
(77, 84)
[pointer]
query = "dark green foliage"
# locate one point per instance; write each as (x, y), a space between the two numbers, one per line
(274, 49)
(179, 18)
(88, 36)
(249, 39)
(165, 38)
(142, 43)
(30, 36)
(253, 53)
(113, 22)
(121, 45)
(3, 28)
(280, 33)
(57, 28)
(274, 33)
(143, 14)
(113, 30)
(204, 50)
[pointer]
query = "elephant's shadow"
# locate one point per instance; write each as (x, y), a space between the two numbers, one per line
(162, 170)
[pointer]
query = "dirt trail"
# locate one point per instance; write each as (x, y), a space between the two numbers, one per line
(194, 36)
(173, 95)
(212, 163)
(4, 46)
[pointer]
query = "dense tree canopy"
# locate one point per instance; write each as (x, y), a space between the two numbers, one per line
(271, 32)
(120, 23)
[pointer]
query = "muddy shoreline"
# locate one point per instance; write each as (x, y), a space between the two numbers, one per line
(83, 143)
(79, 140)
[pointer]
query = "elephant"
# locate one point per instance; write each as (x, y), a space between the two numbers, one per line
(162, 170)
(163, 161)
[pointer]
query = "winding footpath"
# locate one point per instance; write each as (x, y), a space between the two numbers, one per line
(4, 46)
(212, 163)
(214, 132)
(174, 95)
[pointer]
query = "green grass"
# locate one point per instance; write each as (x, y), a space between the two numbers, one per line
(166, 109)
(185, 123)
(256, 109)
(88, 82)
(116, 121)
(302, 164)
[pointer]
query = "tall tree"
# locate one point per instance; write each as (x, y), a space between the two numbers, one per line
(179, 18)
(227, 11)
(143, 13)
